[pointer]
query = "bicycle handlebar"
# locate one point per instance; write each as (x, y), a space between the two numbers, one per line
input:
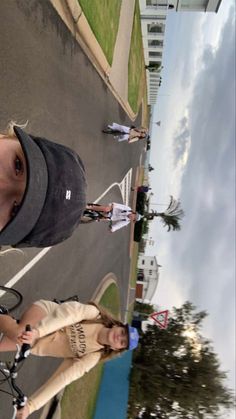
(25, 349)
(21, 354)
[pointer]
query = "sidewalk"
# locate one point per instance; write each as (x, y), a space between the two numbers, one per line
(116, 76)
(119, 70)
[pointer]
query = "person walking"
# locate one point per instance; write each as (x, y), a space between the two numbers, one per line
(42, 190)
(82, 334)
(124, 133)
(142, 188)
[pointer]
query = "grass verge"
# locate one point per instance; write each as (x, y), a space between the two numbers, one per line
(136, 63)
(103, 17)
(133, 269)
(79, 398)
(110, 300)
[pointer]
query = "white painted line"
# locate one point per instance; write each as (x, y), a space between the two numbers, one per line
(107, 190)
(26, 268)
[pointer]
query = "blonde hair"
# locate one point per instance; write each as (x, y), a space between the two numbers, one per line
(10, 128)
(108, 320)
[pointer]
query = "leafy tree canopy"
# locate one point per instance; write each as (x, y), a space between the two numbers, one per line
(143, 308)
(176, 373)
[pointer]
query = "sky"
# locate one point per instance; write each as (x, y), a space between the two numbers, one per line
(193, 153)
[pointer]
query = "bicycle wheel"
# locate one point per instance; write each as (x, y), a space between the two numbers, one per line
(86, 220)
(10, 298)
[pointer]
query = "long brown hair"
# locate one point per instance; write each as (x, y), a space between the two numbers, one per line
(108, 320)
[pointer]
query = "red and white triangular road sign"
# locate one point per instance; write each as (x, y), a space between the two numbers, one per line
(161, 318)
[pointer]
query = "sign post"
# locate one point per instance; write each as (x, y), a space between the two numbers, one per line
(161, 318)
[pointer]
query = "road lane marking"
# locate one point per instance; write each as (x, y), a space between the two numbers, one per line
(26, 268)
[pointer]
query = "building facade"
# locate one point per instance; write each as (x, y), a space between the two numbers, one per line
(153, 14)
(147, 279)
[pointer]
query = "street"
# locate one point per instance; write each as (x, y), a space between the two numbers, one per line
(48, 81)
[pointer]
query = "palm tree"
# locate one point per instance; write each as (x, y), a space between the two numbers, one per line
(170, 217)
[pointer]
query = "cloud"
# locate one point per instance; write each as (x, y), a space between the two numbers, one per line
(204, 251)
(199, 261)
(181, 142)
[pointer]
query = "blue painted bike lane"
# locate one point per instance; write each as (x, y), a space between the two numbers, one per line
(113, 394)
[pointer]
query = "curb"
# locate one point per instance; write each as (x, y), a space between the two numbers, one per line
(52, 410)
(133, 206)
(72, 15)
(108, 280)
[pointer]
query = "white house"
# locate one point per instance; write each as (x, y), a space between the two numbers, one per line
(148, 277)
(153, 15)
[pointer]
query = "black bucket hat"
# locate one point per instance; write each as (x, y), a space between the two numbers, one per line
(54, 198)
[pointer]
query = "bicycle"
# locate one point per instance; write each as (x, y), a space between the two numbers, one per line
(90, 216)
(9, 372)
(10, 298)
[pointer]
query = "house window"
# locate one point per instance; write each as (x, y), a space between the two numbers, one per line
(143, 262)
(155, 54)
(150, 272)
(155, 28)
(151, 2)
(151, 262)
(155, 43)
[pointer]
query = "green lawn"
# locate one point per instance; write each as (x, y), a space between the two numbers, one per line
(134, 261)
(103, 17)
(79, 398)
(136, 63)
(110, 300)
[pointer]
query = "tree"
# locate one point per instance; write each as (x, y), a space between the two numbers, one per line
(170, 217)
(176, 373)
(153, 66)
(143, 307)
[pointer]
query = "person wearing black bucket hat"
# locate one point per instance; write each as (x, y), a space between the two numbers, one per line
(51, 179)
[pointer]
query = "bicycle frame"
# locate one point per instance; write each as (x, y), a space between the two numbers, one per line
(95, 215)
(11, 372)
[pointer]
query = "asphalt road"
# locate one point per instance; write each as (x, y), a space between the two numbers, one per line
(45, 78)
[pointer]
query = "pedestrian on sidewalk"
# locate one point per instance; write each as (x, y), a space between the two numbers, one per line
(124, 133)
(142, 188)
(82, 334)
(42, 190)
(118, 215)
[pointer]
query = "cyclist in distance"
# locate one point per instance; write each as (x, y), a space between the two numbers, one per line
(124, 133)
(42, 190)
(118, 215)
(82, 334)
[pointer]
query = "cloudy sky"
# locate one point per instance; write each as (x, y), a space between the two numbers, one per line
(193, 152)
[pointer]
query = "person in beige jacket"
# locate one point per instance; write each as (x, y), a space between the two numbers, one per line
(81, 334)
